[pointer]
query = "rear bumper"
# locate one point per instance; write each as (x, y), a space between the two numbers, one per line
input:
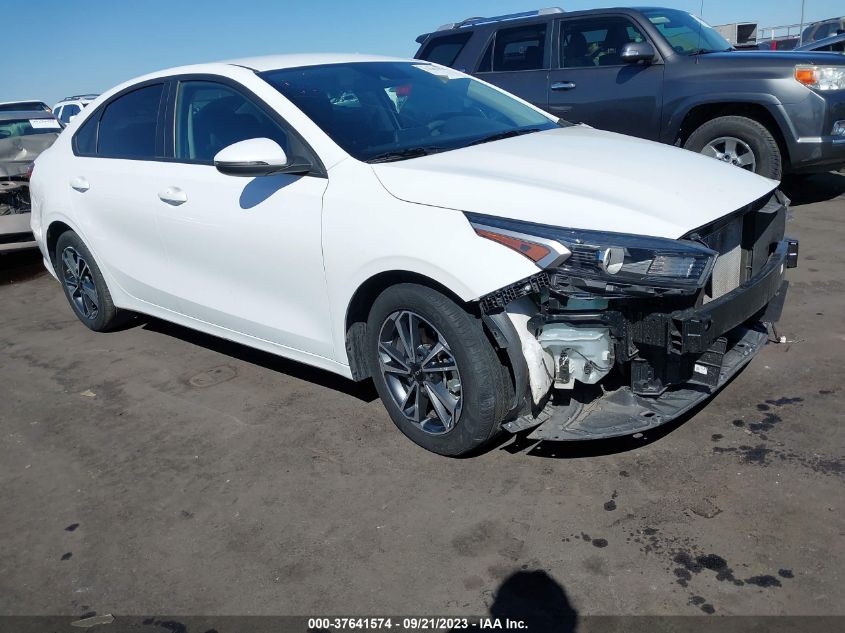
(716, 340)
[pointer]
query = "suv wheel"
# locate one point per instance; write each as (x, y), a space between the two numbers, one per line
(739, 141)
(83, 283)
(435, 370)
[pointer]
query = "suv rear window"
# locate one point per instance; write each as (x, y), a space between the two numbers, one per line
(444, 50)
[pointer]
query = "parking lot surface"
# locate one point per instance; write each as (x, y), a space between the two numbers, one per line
(159, 470)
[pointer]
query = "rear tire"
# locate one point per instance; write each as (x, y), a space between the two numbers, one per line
(473, 397)
(84, 285)
(710, 138)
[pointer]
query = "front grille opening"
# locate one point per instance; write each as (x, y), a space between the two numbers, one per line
(727, 272)
(744, 241)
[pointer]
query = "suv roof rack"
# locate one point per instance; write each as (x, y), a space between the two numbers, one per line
(75, 97)
(474, 21)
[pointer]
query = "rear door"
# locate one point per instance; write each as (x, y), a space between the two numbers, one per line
(118, 153)
(592, 85)
(517, 59)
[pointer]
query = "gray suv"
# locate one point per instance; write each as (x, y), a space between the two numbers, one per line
(664, 75)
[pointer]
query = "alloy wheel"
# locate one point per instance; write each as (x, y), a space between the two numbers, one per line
(420, 372)
(732, 150)
(79, 282)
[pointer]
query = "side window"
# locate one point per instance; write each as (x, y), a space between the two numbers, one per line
(520, 48)
(85, 140)
(596, 42)
(128, 124)
(211, 116)
(68, 111)
(57, 112)
(825, 30)
(445, 50)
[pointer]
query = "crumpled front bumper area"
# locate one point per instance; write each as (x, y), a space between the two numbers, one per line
(714, 340)
(621, 412)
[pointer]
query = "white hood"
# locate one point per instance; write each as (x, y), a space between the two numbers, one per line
(579, 177)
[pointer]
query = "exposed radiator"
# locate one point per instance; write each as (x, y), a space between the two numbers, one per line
(727, 241)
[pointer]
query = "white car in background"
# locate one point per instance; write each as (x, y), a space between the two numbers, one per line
(69, 107)
(486, 264)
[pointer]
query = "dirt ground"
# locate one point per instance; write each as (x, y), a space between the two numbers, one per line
(157, 470)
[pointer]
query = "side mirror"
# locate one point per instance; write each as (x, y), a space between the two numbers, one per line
(635, 52)
(256, 157)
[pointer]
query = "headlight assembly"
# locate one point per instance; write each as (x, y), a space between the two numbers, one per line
(611, 259)
(822, 78)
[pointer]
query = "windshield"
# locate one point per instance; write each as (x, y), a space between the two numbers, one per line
(380, 111)
(28, 127)
(686, 33)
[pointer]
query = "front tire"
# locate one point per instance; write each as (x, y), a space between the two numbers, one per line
(739, 141)
(435, 370)
(83, 283)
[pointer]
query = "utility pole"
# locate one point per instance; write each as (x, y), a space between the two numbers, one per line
(801, 32)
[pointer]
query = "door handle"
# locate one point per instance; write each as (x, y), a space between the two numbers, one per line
(173, 195)
(563, 85)
(79, 184)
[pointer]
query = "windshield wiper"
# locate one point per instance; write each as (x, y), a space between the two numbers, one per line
(402, 154)
(705, 51)
(503, 135)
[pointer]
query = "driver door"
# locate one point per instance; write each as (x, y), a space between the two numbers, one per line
(245, 253)
(592, 85)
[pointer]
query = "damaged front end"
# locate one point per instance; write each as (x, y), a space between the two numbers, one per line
(15, 208)
(14, 196)
(621, 333)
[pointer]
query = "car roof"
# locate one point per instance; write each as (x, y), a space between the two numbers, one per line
(14, 115)
(253, 64)
(24, 102)
(538, 15)
(278, 62)
(832, 39)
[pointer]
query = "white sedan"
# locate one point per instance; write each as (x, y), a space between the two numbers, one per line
(485, 263)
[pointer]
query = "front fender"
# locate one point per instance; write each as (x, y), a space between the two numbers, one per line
(367, 232)
(679, 110)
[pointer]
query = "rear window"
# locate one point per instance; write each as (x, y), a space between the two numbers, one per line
(445, 50)
(519, 48)
(28, 127)
(128, 125)
(24, 105)
(85, 140)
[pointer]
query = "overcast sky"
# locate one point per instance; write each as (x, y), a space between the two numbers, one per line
(55, 48)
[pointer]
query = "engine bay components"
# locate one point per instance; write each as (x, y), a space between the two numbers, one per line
(582, 354)
(14, 197)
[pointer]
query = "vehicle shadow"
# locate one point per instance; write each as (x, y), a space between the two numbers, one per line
(21, 266)
(364, 390)
(534, 599)
(814, 188)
